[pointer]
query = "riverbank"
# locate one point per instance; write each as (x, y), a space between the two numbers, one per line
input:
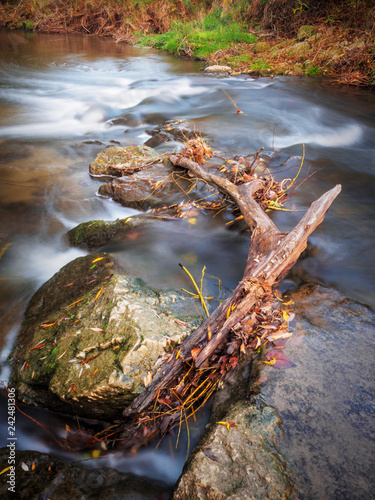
(281, 38)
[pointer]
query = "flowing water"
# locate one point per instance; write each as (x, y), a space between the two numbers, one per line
(60, 96)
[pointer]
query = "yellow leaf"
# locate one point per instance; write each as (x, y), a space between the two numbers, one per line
(285, 315)
(193, 220)
(97, 260)
(4, 470)
(178, 354)
(116, 347)
(97, 295)
(95, 453)
(33, 466)
(272, 362)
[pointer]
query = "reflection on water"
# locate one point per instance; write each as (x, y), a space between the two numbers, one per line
(65, 98)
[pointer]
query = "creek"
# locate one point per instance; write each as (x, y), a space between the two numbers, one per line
(61, 97)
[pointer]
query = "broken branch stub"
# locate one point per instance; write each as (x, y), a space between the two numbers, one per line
(271, 255)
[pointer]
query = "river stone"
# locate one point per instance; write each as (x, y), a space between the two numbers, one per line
(153, 187)
(306, 31)
(122, 326)
(240, 463)
(169, 131)
(58, 480)
(118, 161)
(217, 69)
(96, 233)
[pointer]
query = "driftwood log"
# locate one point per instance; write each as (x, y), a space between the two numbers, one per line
(271, 255)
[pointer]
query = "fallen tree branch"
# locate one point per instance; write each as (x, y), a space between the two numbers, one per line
(271, 255)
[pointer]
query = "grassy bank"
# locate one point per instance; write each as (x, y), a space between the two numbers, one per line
(260, 37)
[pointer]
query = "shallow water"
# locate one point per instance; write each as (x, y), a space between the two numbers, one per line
(59, 96)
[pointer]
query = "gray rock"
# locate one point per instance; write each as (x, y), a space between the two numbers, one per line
(153, 188)
(91, 338)
(241, 462)
(55, 479)
(327, 400)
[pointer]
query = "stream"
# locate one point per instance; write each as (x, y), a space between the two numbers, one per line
(61, 100)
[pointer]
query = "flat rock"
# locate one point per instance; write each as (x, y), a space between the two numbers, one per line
(118, 161)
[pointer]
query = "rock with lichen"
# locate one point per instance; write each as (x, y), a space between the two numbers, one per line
(91, 339)
(118, 161)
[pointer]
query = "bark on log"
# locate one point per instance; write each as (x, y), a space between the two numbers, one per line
(271, 255)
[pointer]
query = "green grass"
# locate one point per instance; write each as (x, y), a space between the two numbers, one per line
(313, 71)
(199, 39)
(260, 65)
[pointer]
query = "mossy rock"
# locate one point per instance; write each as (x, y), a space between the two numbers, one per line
(90, 337)
(96, 233)
(299, 50)
(260, 47)
(306, 31)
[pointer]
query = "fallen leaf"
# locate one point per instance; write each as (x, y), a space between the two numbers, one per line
(179, 322)
(280, 360)
(97, 260)
(97, 295)
(25, 467)
(97, 329)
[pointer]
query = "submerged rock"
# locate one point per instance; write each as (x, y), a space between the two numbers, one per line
(50, 477)
(90, 338)
(118, 161)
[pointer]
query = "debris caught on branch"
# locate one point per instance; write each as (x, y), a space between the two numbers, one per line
(251, 317)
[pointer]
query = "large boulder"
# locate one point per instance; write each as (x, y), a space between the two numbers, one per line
(90, 339)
